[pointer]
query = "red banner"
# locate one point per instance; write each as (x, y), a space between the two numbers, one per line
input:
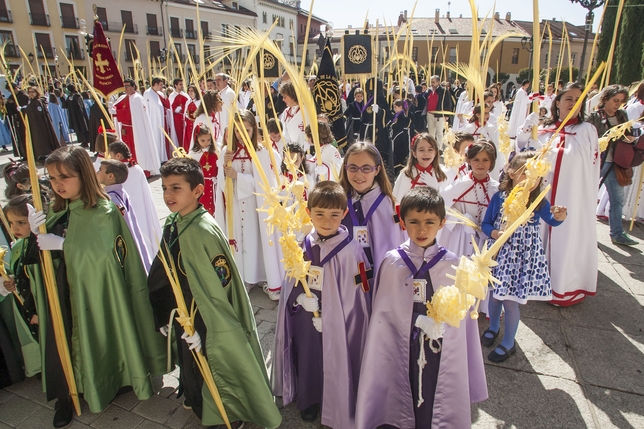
(107, 79)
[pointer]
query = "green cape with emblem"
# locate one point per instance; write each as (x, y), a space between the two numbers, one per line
(232, 345)
(114, 341)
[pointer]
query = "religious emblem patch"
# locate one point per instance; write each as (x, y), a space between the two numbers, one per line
(220, 263)
(120, 250)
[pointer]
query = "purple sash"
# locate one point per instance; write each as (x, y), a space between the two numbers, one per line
(332, 253)
(426, 266)
(352, 212)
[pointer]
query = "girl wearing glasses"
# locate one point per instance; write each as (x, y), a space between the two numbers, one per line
(372, 220)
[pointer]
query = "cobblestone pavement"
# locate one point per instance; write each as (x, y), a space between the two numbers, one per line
(579, 367)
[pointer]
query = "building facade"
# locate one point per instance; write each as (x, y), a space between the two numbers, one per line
(285, 13)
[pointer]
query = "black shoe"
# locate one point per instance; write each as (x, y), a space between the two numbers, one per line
(64, 413)
(498, 357)
(488, 341)
(311, 413)
(234, 425)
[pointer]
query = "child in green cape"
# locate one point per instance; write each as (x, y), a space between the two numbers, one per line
(224, 321)
(102, 290)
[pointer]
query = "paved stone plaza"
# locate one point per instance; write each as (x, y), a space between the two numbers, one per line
(579, 367)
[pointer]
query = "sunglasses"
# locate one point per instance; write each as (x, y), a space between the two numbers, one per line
(366, 169)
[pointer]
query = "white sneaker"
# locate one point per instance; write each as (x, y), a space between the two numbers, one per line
(273, 295)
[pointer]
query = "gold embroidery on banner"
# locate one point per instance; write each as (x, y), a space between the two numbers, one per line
(357, 54)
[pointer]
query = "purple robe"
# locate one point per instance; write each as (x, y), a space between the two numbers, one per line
(383, 227)
(345, 310)
(122, 200)
(385, 392)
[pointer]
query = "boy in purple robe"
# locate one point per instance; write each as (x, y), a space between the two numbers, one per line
(112, 174)
(319, 340)
(397, 389)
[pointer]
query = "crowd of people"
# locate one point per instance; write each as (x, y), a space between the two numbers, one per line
(354, 343)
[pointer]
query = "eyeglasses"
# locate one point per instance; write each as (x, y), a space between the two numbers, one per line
(366, 169)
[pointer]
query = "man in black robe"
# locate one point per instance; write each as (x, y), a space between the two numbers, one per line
(43, 136)
(16, 124)
(77, 115)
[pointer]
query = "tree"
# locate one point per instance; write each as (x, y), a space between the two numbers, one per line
(607, 28)
(628, 54)
(503, 77)
(524, 74)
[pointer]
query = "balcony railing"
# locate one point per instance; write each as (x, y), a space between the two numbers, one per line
(77, 54)
(195, 59)
(11, 50)
(49, 52)
(5, 16)
(176, 32)
(115, 26)
(154, 31)
(69, 22)
(206, 34)
(191, 34)
(40, 19)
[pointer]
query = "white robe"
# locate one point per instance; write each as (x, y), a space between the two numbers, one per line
(142, 202)
(520, 110)
(331, 164)
(216, 128)
(293, 127)
(147, 155)
(404, 184)
(228, 107)
(463, 107)
(571, 248)
(156, 113)
(547, 103)
(257, 254)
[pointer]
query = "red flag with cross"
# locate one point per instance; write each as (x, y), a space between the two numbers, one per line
(107, 78)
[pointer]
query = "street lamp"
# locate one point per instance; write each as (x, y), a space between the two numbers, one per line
(589, 5)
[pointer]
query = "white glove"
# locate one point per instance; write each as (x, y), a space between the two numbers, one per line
(375, 108)
(308, 304)
(50, 242)
(20, 108)
(177, 110)
(164, 330)
(194, 341)
(429, 326)
(531, 121)
(35, 219)
(426, 178)
(317, 323)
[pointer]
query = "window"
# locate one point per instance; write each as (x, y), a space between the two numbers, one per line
(126, 17)
(175, 31)
(205, 32)
(10, 49)
(290, 24)
(155, 48)
(129, 49)
(67, 16)
(152, 25)
(452, 55)
(5, 15)
(414, 54)
(545, 63)
(72, 45)
(101, 12)
(434, 53)
(224, 30)
(37, 13)
(235, 5)
(43, 44)
(190, 29)
(279, 38)
(515, 56)
(264, 17)
(574, 57)
(291, 49)
(177, 49)
(193, 53)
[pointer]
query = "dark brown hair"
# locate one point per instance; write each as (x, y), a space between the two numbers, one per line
(554, 110)
(288, 89)
(117, 168)
(245, 117)
(327, 195)
(202, 130)
(610, 92)
(423, 199)
(479, 146)
(212, 101)
(99, 143)
(119, 147)
(76, 161)
(324, 131)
